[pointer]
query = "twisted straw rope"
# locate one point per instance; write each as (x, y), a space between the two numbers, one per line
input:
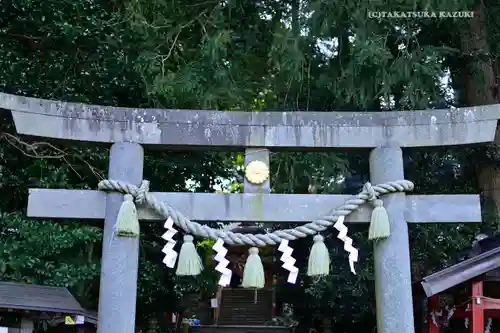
(142, 196)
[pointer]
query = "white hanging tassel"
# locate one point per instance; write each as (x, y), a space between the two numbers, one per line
(189, 261)
(168, 249)
(127, 223)
(253, 274)
(380, 226)
(319, 259)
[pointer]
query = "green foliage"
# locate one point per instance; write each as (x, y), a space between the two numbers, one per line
(50, 253)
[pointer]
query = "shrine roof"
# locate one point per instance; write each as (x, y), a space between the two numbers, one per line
(34, 297)
(482, 258)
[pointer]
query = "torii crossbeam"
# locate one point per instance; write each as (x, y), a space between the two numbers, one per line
(127, 128)
(250, 207)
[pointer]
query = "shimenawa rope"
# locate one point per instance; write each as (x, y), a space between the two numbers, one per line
(142, 196)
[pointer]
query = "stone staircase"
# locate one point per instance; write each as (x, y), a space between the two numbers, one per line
(239, 329)
(245, 307)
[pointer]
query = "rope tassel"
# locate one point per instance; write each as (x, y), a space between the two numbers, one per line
(380, 226)
(253, 274)
(189, 261)
(335, 219)
(127, 222)
(319, 259)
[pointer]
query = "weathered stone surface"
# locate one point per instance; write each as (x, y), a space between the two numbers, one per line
(252, 207)
(305, 130)
(120, 255)
(392, 255)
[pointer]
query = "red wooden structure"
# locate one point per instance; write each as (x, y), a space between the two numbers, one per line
(469, 289)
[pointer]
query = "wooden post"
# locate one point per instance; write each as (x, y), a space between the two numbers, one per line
(477, 325)
(432, 305)
(217, 309)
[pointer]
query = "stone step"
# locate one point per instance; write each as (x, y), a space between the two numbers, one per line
(243, 316)
(248, 301)
(238, 329)
(245, 306)
(243, 320)
(244, 312)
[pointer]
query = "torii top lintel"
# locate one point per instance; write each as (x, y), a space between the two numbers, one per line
(299, 130)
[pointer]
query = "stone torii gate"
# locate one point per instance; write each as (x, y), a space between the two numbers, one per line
(128, 129)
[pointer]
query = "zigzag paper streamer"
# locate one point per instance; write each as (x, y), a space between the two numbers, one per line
(221, 267)
(353, 252)
(168, 249)
(288, 261)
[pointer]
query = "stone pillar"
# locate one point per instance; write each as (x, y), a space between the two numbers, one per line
(120, 255)
(392, 255)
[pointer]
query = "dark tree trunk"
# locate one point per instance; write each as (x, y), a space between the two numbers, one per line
(480, 89)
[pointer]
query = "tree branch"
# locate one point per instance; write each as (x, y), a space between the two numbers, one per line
(38, 150)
